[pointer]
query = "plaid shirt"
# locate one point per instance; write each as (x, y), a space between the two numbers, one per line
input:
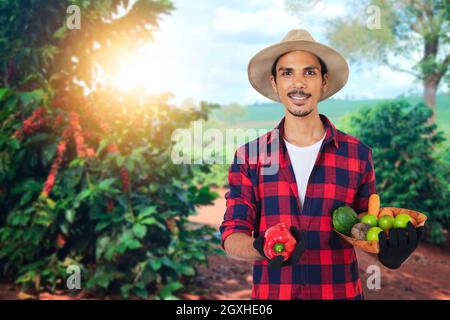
(342, 175)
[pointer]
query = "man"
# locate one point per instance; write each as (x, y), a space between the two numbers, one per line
(320, 168)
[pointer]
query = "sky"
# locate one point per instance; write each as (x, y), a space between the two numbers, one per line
(203, 48)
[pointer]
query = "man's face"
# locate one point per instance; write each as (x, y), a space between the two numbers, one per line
(299, 82)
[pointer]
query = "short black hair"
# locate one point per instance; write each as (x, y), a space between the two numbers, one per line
(323, 67)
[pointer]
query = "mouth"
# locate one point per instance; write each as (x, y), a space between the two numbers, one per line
(298, 98)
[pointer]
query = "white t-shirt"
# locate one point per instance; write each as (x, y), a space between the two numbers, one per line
(303, 160)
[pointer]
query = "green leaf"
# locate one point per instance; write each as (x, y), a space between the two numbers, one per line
(111, 250)
(51, 204)
(43, 218)
(4, 93)
(102, 280)
(122, 200)
(60, 33)
(188, 271)
(139, 230)
(147, 211)
(102, 215)
(33, 97)
(48, 153)
(102, 225)
(122, 247)
(125, 290)
(70, 215)
(106, 184)
(155, 264)
(84, 194)
(129, 164)
(77, 162)
(133, 244)
(103, 144)
(167, 291)
(153, 221)
(64, 228)
(18, 219)
(120, 161)
(149, 221)
(172, 297)
(129, 217)
(102, 245)
(170, 263)
(15, 144)
(26, 198)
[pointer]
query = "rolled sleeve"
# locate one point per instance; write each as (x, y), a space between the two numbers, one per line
(367, 186)
(240, 211)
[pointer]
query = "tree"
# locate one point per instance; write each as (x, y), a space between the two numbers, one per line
(408, 173)
(88, 180)
(407, 28)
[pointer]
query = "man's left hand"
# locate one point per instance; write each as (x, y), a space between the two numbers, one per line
(400, 245)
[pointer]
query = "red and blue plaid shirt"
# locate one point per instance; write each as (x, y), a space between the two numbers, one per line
(342, 175)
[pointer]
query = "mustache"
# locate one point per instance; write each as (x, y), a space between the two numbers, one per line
(299, 92)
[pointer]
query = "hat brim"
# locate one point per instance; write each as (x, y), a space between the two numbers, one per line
(260, 66)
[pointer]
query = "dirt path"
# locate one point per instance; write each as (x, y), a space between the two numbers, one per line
(424, 276)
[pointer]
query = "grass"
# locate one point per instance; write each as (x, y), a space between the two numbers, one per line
(267, 115)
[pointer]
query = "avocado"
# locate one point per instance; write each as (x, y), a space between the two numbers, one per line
(344, 218)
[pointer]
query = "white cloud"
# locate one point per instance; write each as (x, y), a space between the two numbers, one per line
(270, 21)
(319, 10)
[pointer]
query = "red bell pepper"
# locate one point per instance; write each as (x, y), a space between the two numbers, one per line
(279, 242)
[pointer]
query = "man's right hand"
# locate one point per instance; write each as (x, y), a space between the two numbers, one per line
(278, 262)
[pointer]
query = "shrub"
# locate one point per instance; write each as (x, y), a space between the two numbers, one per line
(409, 171)
(88, 180)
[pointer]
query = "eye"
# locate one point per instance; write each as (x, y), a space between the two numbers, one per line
(286, 73)
(310, 73)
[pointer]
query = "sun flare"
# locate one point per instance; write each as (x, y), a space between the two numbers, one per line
(151, 69)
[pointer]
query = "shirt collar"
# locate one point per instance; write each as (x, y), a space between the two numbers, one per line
(331, 133)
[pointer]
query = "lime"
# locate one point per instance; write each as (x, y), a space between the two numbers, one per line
(372, 234)
(386, 222)
(401, 221)
(370, 219)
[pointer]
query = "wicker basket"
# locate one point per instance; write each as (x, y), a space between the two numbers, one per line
(373, 246)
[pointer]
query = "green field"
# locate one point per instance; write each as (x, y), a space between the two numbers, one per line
(267, 115)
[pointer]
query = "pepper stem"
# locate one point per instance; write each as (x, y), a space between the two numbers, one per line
(278, 247)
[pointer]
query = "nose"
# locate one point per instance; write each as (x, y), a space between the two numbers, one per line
(299, 81)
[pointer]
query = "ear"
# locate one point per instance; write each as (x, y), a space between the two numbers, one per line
(274, 84)
(325, 82)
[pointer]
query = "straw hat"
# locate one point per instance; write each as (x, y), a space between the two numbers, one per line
(260, 66)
